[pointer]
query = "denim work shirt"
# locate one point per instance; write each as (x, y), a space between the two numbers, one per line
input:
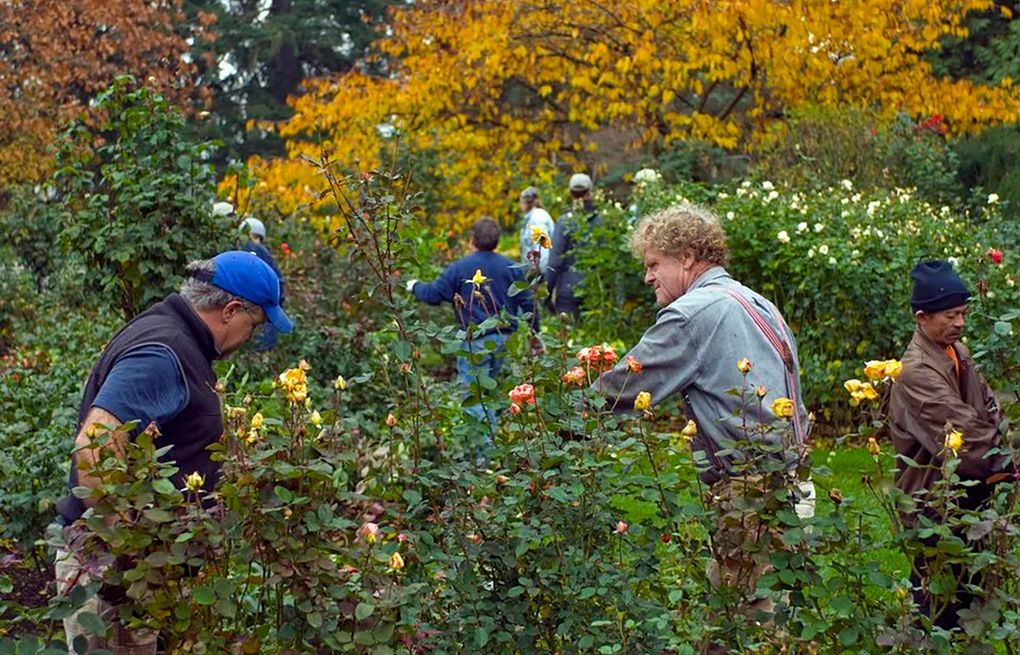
(693, 350)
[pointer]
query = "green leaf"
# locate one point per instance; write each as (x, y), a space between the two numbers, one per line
(164, 486)
(204, 596)
(157, 515)
(91, 622)
(363, 611)
(284, 494)
(158, 558)
(481, 636)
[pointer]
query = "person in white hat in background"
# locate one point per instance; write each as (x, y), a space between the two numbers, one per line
(535, 216)
(255, 230)
(561, 276)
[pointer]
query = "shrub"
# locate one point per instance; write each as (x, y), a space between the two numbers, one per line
(836, 262)
(137, 198)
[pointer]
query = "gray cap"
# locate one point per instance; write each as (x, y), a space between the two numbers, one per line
(580, 181)
(529, 194)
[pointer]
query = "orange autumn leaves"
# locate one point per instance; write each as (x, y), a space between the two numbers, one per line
(55, 57)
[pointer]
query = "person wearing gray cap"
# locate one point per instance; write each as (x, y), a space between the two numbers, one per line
(256, 232)
(535, 217)
(561, 277)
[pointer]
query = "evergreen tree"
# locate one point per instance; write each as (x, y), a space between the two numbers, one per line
(264, 50)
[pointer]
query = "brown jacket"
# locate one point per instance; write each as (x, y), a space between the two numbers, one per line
(926, 400)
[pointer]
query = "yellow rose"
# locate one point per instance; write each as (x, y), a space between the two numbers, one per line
(893, 368)
(954, 440)
(257, 421)
(478, 279)
(294, 384)
(853, 385)
(875, 370)
(194, 482)
(315, 419)
(868, 391)
(541, 237)
(340, 383)
(643, 401)
(873, 447)
(744, 365)
(690, 430)
(396, 562)
(782, 407)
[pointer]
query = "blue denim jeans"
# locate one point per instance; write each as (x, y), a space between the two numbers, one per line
(488, 359)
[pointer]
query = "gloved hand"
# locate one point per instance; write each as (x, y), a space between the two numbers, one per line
(410, 285)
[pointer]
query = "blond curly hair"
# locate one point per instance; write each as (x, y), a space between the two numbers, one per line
(681, 230)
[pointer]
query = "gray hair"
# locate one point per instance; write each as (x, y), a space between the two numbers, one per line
(203, 296)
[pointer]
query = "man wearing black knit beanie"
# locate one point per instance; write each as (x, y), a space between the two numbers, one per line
(941, 408)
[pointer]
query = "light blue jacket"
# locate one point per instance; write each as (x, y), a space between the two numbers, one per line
(693, 350)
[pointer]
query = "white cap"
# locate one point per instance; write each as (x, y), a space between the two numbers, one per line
(222, 209)
(253, 226)
(580, 181)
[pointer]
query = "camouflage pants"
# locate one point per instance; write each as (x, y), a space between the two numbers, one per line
(74, 567)
(742, 545)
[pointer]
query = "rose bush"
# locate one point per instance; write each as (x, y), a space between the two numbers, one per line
(350, 516)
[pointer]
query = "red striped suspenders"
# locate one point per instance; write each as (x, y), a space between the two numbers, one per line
(785, 353)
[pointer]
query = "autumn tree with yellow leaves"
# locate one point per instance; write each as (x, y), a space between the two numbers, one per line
(505, 92)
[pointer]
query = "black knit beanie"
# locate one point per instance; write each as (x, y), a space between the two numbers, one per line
(937, 287)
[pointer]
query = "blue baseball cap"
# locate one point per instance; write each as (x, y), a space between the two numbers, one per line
(246, 276)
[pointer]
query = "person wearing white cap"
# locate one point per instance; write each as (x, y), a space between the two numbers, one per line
(256, 231)
(561, 278)
(535, 216)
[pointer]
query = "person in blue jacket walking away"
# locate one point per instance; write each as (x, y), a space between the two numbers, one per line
(478, 286)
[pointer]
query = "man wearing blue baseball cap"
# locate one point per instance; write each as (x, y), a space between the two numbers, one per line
(157, 372)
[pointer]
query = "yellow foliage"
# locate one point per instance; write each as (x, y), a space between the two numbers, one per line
(503, 91)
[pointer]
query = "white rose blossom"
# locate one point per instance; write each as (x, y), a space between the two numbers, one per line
(783, 237)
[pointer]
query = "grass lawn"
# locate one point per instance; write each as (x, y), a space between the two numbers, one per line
(848, 465)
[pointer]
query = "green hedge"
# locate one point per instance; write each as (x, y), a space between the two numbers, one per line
(836, 262)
